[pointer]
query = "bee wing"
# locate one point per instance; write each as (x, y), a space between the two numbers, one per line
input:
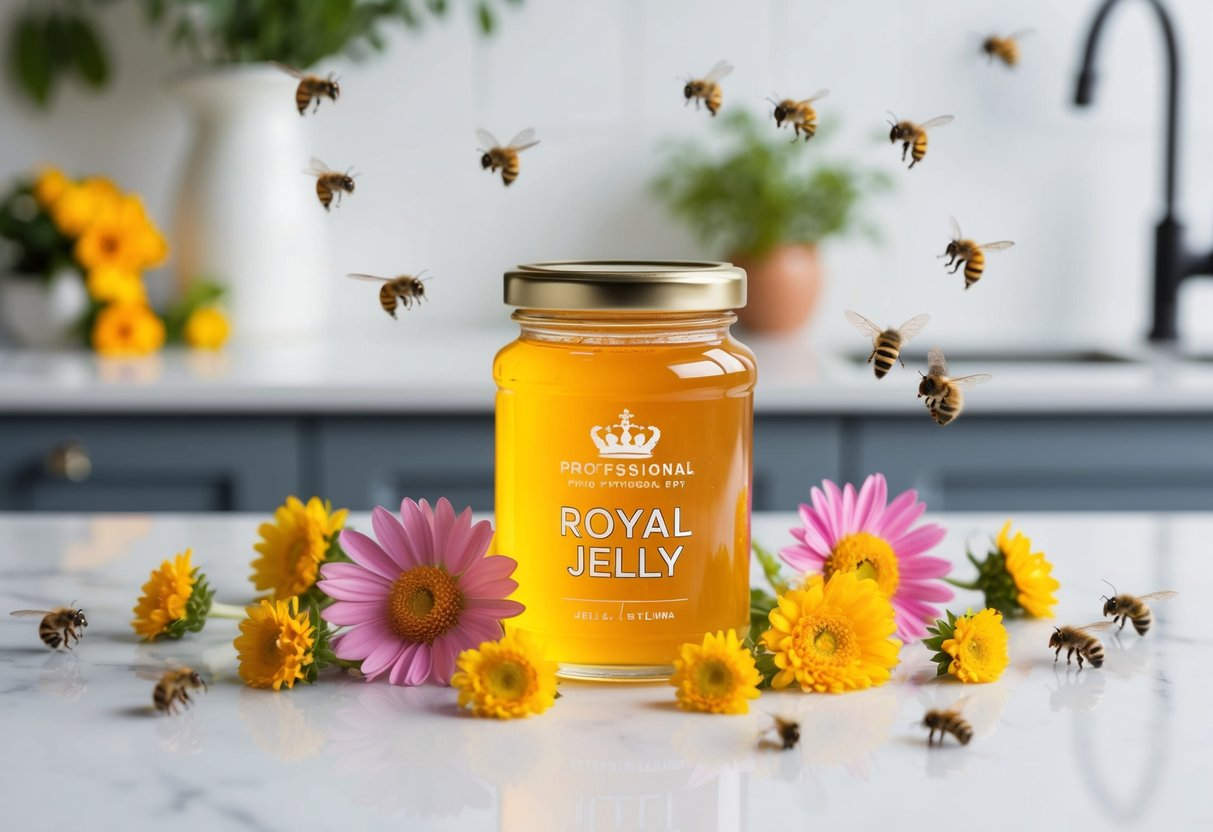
(955, 226)
(317, 167)
(936, 365)
(289, 70)
(721, 69)
(372, 277)
(1158, 596)
(864, 325)
(1095, 626)
(29, 613)
(817, 96)
(938, 121)
(486, 138)
(973, 380)
(912, 327)
(999, 246)
(523, 140)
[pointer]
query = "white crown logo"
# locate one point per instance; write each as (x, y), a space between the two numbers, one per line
(628, 442)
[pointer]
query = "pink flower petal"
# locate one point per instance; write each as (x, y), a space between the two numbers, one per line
(476, 626)
(848, 509)
(357, 644)
(816, 535)
(486, 571)
(367, 553)
(475, 544)
(382, 656)
(421, 533)
(405, 661)
(834, 508)
(444, 659)
(352, 589)
(344, 571)
(502, 588)
(932, 591)
(909, 629)
(821, 507)
(418, 666)
(498, 607)
(919, 567)
(802, 559)
(444, 523)
(393, 539)
(347, 613)
(919, 540)
(871, 503)
(917, 610)
(900, 514)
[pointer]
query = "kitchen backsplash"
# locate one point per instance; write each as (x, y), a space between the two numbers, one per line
(1079, 191)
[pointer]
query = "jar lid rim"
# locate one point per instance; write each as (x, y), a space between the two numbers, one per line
(609, 285)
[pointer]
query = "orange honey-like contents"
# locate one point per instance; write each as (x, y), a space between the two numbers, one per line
(623, 475)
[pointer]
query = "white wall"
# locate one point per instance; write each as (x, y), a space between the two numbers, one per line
(1078, 191)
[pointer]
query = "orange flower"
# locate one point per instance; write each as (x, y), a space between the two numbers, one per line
(206, 329)
(50, 185)
(80, 205)
(113, 284)
(127, 329)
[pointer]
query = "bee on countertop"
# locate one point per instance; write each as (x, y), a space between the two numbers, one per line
(707, 88)
(311, 87)
(948, 721)
(1124, 607)
(786, 730)
(1079, 640)
(799, 114)
(58, 626)
(329, 182)
(887, 343)
(174, 687)
(969, 254)
(944, 400)
(402, 290)
(496, 156)
(914, 135)
(1004, 49)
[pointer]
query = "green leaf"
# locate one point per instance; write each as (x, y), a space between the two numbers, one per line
(765, 664)
(485, 16)
(31, 60)
(438, 8)
(89, 56)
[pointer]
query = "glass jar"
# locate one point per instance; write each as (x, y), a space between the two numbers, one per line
(624, 426)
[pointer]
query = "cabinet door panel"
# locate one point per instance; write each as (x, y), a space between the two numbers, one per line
(108, 463)
(791, 455)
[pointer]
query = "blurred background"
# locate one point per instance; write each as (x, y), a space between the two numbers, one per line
(1078, 190)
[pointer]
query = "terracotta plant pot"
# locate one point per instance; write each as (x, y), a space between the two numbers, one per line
(783, 288)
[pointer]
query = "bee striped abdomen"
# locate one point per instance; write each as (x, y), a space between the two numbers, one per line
(1142, 618)
(324, 192)
(50, 635)
(387, 299)
(303, 96)
(974, 266)
(962, 731)
(920, 148)
(714, 99)
(885, 356)
(1008, 50)
(1093, 650)
(509, 172)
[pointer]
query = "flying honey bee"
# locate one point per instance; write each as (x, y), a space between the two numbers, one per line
(174, 687)
(786, 730)
(1124, 607)
(799, 114)
(887, 343)
(505, 157)
(59, 625)
(329, 182)
(969, 254)
(403, 290)
(943, 397)
(914, 136)
(311, 87)
(1005, 49)
(707, 88)
(947, 721)
(1079, 640)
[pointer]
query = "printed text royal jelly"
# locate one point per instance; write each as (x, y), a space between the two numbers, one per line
(643, 561)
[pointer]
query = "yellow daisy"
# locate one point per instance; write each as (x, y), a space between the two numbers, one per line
(50, 185)
(833, 636)
(506, 679)
(1031, 572)
(275, 644)
(115, 284)
(978, 647)
(80, 205)
(175, 599)
(206, 329)
(716, 677)
(127, 329)
(294, 545)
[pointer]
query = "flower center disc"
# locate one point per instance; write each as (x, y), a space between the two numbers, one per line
(423, 604)
(713, 679)
(868, 556)
(508, 680)
(828, 638)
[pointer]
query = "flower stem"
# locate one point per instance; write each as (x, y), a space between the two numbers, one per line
(962, 584)
(219, 610)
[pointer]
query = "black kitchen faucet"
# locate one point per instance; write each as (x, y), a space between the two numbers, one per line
(1173, 264)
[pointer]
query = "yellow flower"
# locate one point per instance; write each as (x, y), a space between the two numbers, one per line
(50, 185)
(114, 284)
(833, 636)
(506, 679)
(110, 241)
(206, 329)
(294, 545)
(165, 597)
(717, 677)
(1031, 572)
(978, 647)
(127, 329)
(275, 644)
(81, 204)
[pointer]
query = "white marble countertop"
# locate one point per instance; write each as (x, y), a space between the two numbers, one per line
(1122, 747)
(451, 371)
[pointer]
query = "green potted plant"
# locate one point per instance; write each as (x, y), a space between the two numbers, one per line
(765, 203)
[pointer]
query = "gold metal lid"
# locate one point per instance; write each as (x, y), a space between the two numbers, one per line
(627, 285)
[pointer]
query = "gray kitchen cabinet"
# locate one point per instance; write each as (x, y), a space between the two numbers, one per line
(114, 463)
(1129, 463)
(791, 455)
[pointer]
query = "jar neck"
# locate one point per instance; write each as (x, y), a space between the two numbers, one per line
(596, 327)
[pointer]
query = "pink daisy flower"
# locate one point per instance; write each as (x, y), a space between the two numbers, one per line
(847, 532)
(420, 595)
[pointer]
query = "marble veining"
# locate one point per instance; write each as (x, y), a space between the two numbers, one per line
(1123, 747)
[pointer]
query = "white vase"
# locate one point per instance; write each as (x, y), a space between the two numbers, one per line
(247, 215)
(42, 314)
